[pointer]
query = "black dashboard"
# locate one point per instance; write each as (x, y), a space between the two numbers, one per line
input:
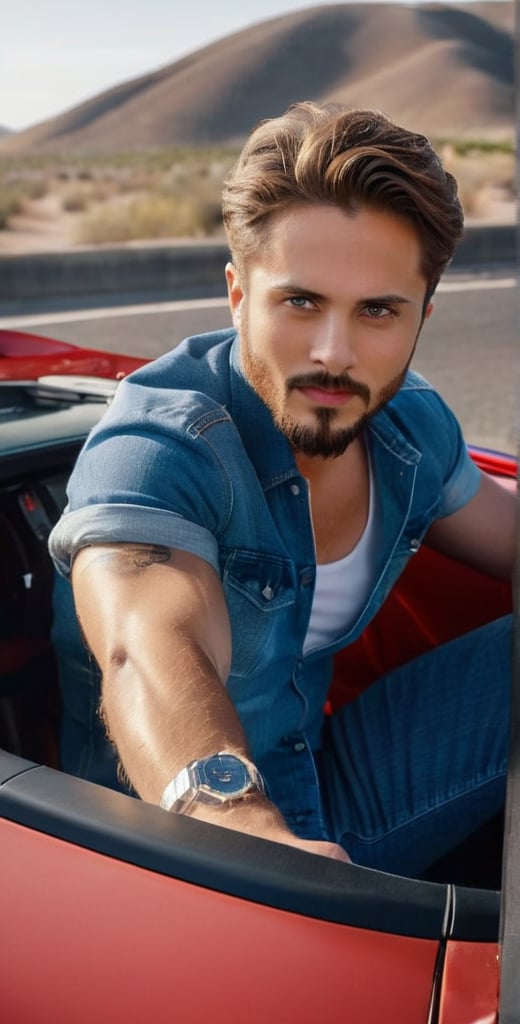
(42, 427)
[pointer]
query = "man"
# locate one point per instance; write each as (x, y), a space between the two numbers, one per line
(249, 500)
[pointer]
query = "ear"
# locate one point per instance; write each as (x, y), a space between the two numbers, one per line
(235, 293)
(429, 311)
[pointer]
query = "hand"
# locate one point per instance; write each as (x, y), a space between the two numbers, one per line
(257, 816)
(319, 847)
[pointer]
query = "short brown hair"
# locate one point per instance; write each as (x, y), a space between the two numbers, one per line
(352, 159)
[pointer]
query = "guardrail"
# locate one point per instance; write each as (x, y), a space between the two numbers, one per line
(186, 269)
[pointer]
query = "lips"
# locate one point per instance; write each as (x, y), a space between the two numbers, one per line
(326, 396)
(326, 390)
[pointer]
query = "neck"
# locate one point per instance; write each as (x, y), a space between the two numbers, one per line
(318, 470)
(339, 499)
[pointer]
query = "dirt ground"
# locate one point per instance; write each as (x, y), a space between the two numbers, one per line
(43, 227)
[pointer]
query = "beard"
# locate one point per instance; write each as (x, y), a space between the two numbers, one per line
(325, 439)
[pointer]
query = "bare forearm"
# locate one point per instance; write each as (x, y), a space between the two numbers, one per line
(160, 728)
(157, 624)
(165, 706)
(161, 638)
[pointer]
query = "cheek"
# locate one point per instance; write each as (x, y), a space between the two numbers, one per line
(266, 344)
(389, 352)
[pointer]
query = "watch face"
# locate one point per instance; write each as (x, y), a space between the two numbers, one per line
(225, 773)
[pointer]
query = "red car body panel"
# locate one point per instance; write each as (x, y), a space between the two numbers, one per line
(101, 940)
(470, 983)
(26, 356)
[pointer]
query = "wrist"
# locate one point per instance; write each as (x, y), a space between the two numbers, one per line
(256, 816)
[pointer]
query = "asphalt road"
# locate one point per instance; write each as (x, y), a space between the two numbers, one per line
(468, 349)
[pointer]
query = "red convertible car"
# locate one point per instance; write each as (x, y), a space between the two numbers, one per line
(113, 910)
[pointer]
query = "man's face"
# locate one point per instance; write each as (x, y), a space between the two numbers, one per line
(328, 316)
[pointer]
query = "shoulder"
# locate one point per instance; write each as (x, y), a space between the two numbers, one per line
(199, 361)
(173, 392)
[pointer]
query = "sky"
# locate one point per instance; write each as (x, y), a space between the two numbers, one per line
(56, 53)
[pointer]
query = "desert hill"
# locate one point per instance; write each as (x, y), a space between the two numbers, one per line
(441, 68)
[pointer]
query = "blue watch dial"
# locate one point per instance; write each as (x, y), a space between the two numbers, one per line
(224, 773)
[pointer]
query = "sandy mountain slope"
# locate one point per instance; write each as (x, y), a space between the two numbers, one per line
(443, 69)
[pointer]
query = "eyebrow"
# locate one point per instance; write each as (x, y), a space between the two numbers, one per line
(373, 300)
(296, 289)
(385, 300)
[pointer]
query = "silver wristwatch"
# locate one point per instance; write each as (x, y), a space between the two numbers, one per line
(219, 779)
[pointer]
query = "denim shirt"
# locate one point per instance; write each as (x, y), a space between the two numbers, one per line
(188, 456)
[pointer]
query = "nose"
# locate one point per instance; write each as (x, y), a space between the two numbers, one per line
(333, 345)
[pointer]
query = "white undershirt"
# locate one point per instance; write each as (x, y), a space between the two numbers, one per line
(342, 587)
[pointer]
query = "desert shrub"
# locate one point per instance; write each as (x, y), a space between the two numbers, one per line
(475, 147)
(37, 189)
(80, 195)
(18, 184)
(11, 203)
(150, 217)
(74, 200)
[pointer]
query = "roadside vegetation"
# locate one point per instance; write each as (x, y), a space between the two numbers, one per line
(486, 174)
(175, 193)
(16, 191)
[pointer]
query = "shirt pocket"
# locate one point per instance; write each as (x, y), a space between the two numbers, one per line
(260, 593)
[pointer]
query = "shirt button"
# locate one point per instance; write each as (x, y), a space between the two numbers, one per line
(414, 545)
(295, 489)
(299, 747)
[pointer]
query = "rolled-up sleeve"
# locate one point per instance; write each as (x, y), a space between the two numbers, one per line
(462, 476)
(145, 475)
(435, 431)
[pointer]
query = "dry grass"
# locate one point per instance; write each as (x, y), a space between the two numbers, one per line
(150, 216)
(176, 192)
(18, 188)
(11, 203)
(126, 197)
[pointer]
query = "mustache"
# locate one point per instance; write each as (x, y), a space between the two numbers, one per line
(328, 382)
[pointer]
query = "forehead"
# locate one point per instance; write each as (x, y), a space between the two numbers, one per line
(323, 244)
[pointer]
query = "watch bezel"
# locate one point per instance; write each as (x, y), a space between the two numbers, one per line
(215, 781)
